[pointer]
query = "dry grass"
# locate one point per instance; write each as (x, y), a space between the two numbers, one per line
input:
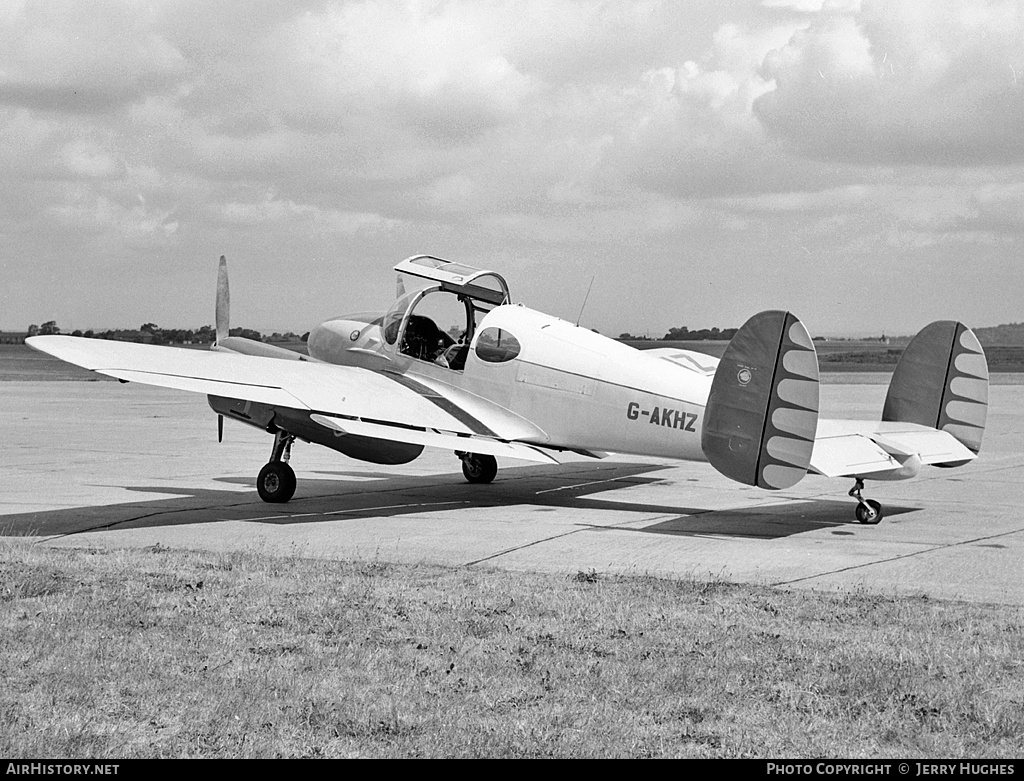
(161, 653)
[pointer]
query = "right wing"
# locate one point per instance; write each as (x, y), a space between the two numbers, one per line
(688, 359)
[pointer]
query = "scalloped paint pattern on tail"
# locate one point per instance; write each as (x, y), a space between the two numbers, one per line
(792, 419)
(965, 403)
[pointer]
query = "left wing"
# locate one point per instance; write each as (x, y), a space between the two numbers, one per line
(344, 398)
(881, 449)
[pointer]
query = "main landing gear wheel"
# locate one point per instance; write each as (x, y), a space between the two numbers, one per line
(276, 482)
(868, 510)
(478, 468)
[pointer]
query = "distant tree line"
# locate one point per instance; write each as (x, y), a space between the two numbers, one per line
(1006, 334)
(151, 333)
(684, 334)
(1010, 334)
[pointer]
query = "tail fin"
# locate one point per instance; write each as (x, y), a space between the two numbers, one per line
(941, 381)
(762, 412)
(223, 311)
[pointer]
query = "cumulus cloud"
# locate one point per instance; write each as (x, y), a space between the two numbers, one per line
(69, 56)
(908, 82)
(88, 159)
(273, 209)
(1000, 206)
(689, 128)
(530, 134)
(92, 215)
(434, 69)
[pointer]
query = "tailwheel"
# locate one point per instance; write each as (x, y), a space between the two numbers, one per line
(276, 482)
(868, 510)
(478, 468)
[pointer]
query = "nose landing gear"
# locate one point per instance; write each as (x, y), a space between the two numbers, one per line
(276, 481)
(868, 510)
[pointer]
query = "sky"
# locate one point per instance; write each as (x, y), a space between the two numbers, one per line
(858, 163)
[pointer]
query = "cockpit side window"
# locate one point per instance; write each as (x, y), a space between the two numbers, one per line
(496, 345)
(391, 325)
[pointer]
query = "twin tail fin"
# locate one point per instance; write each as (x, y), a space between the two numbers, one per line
(941, 381)
(762, 411)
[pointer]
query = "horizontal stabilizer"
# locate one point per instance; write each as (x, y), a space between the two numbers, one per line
(881, 450)
(762, 411)
(941, 381)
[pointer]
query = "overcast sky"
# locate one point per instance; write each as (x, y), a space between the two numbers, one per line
(861, 163)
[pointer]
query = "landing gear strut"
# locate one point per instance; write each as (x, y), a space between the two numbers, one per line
(276, 481)
(478, 468)
(868, 510)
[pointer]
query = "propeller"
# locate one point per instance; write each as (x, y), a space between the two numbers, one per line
(222, 320)
(223, 311)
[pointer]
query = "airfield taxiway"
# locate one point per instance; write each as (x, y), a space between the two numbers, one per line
(101, 464)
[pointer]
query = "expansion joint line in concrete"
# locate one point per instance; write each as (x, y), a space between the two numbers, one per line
(924, 552)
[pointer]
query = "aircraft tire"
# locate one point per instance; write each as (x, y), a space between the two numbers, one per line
(869, 517)
(276, 482)
(479, 468)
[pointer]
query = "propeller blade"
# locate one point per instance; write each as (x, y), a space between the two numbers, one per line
(223, 312)
(220, 428)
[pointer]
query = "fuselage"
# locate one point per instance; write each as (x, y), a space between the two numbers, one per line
(569, 387)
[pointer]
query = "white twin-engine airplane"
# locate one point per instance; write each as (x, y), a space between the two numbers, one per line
(510, 381)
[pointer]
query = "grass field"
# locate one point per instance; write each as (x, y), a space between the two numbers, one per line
(161, 653)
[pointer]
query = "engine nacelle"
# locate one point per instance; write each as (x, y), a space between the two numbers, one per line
(299, 423)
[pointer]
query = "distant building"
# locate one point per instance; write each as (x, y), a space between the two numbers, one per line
(11, 337)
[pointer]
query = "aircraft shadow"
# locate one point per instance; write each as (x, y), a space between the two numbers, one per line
(769, 522)
(380, 495)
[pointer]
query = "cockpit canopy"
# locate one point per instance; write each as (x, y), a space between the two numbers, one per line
(475, 283)
(436, 323)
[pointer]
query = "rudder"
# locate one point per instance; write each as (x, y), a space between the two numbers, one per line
(762, 411)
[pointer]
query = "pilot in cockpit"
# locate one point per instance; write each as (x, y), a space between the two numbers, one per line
(453, 354)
